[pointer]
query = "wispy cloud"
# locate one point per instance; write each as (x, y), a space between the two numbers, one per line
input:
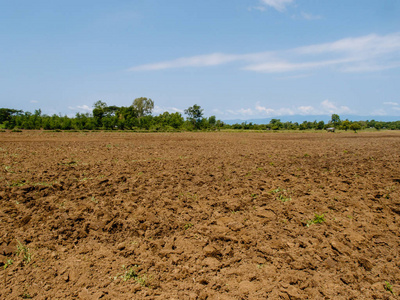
(259, 110)
(360, 54)
(34, 101)
(259, 8)
(193, 61)
(279, 5)
(310, 17)
(391, 103)
(159, 110)
(81, 108)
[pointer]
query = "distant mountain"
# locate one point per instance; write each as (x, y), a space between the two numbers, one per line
(300, 119)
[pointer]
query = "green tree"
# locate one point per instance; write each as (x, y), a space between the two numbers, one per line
(335, 119)
(275, 124)
(320, 125)
(98, 112)
(355, 126)
(212, 121)
(142, 107)
(346, 125)
(378, 125)
(195, 115)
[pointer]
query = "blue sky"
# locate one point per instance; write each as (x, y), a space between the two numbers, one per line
(237, 59)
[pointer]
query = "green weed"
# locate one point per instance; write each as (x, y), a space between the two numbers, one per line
(7, 169)
(144, 280)
(276, 191)
(283, 198)
(389, 288)
(318, 219)
(25, 252)
(18, 183)
(282, 194)
(131, 273)
(8, 263)
(187, 226)
(26, 296)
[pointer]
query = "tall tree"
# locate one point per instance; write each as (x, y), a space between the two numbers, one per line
(335, 119)
(143, 106)
(98, 112)
(195, 114)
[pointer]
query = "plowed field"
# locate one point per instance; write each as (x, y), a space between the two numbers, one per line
(119, 215)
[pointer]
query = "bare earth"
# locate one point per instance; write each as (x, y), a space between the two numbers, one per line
(119, 215)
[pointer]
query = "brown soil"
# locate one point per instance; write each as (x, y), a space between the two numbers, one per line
(121, 215)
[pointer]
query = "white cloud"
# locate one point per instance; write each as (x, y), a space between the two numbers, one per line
(326, 104)
(306, 110)
(263, 109)
(259, 110)
(82, 108)
(194, 61)
(159, 110)
(310, 17)
(259, 8)
(279, 5)
(34, 101)
(361, 54)
(284, 66)
(246, 111)
(391, 103)
(379, 112)
(329, 107)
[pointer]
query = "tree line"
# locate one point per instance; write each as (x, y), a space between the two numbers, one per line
(138, 116)
(335, 122)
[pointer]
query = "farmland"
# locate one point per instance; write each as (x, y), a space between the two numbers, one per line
(217, 215)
